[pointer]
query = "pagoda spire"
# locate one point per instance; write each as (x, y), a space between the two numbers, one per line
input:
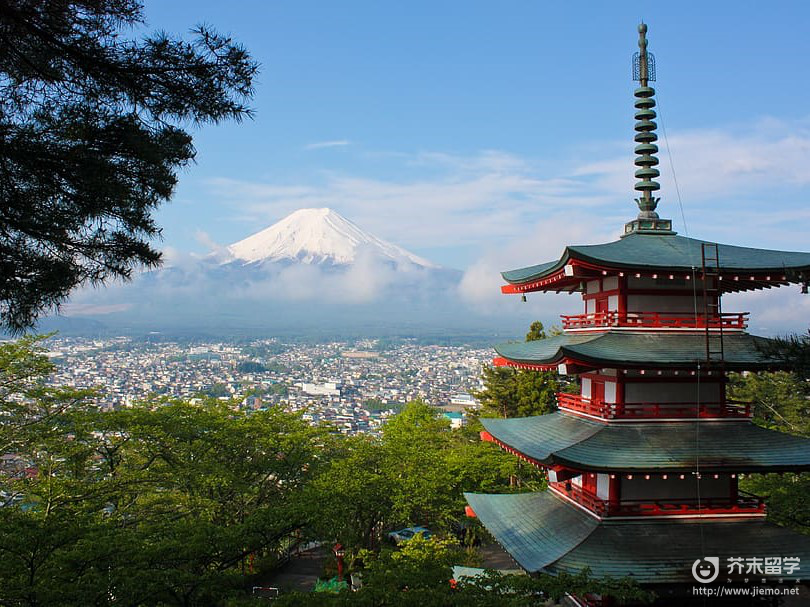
(648, 221)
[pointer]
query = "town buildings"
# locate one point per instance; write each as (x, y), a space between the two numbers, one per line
(355, 386)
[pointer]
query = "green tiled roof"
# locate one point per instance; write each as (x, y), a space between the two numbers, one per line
(535, 528)
(665, 252)
(559, 438)
(662, 552)
(544, 533)
(650, 350)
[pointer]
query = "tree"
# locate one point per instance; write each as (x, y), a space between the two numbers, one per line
(510, 392)
(161, 503)
(794, 350)
(91, 142)
(536, 331)
(780, 401)
(414, 474)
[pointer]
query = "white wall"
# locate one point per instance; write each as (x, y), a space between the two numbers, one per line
(610, 392)
(602, 486)
(586, 387)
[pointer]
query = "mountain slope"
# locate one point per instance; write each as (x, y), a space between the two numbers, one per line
(321, 237)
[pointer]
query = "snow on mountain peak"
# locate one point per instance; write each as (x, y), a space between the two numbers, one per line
(318, 236)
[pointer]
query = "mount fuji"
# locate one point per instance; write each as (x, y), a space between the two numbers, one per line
(320, 237)
(311, 270)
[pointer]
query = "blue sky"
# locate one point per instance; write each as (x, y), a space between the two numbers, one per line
(487, 135)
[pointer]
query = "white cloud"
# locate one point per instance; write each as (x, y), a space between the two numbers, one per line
(544, 241)
(319, 145)
(89, 309)
(743, 185)
(738, 184)
(773, 311)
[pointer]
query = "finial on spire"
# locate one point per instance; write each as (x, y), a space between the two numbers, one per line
(642, 60)
(644, 72)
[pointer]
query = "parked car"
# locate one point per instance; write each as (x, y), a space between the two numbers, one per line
(403, 535)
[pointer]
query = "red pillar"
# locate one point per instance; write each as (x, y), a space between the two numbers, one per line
(614, 491)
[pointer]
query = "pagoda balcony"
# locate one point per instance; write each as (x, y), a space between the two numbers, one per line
(744, 504)
(733, 321)
(645, 411)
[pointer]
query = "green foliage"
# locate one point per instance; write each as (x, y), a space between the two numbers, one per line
(157, 504)
(786, 495)
(780, 401)
(794, 350)
(250, 366)
(28, 405)
(510, 392)
(91, 144)
(375, 404)
(414, 474)
(536, 331)
(419, 564)
(217, 390)
(419, 575)
(276, 389)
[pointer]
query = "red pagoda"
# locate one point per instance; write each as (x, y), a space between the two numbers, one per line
(643, 464)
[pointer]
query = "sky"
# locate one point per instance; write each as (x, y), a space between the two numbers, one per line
(486, 136)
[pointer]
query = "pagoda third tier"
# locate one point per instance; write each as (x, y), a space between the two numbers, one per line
(562, 439)
(677, 469)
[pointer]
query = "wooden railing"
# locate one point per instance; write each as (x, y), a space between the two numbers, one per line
(745, 503)
(656, 320)
(599, 408)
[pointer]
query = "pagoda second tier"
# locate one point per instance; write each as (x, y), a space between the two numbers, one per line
(561, 439)
(580, 352)
(664, 257)
(545, 533)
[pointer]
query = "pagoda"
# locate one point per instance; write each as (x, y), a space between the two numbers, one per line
(643, 463)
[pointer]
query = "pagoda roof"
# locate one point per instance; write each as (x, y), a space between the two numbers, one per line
(667, 252)
(542, 532)
(634, 349)
(581, 444)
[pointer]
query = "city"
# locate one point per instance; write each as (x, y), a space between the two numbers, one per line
(355, 386)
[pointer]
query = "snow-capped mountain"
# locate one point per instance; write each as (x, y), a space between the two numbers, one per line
(320, 237)
(312, 270)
